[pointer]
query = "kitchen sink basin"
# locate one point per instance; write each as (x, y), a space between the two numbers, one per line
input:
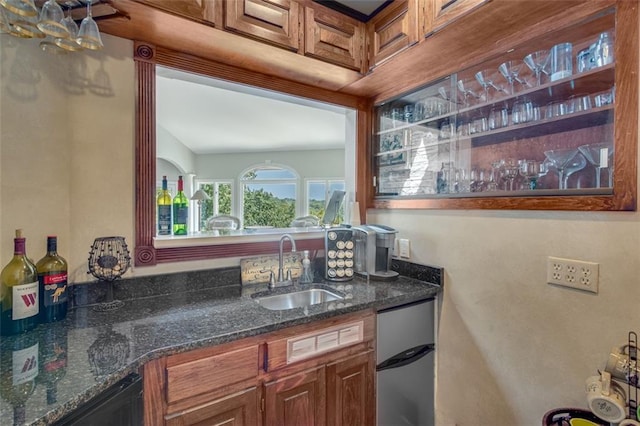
(297, 299)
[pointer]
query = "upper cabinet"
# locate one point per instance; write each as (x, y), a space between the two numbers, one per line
(549, 124)
(397, 27)
(445, 11)
(333, 37)
(272, 21)
(203, 11)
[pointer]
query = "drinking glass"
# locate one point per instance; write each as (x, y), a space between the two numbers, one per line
(603, 53)
(531, 170)
(524, 111)
(89, 34)
(579, 103)
(600, 156)
(556, 109)
(69, 43)
(566, 161)
(487, 80)
(467, 88)
(510, 71)
(50, 21)
(498, 117)
(537, 62)
(561, 61)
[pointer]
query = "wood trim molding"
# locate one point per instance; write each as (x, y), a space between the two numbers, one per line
(146, 57)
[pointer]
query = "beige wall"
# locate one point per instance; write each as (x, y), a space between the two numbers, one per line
(510, 346)
(66, 148)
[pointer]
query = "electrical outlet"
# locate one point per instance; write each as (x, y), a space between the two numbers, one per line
(573, 273)
(404, 248)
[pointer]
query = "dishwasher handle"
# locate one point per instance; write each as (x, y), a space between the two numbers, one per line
(406, 357)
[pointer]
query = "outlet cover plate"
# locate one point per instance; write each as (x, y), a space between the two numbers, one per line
(572, 273)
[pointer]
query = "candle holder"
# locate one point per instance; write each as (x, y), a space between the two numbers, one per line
(108, 260)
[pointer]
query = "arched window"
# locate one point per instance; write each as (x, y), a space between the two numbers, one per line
(269, 196)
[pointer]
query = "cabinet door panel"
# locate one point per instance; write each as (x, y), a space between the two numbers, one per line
(393, 30)
(296, 400)
(273, 21)
(350, 390)
(201, 10)
(240, 409)
(447, 11)
(334, 38)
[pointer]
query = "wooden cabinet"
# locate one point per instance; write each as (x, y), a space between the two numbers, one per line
(350, 391)
(503, 134)
(446, 11)
(272, 21)
(333, 37)
(239, 409)
(315, 374)
(297, 399)
(203, 11)
(397, 27)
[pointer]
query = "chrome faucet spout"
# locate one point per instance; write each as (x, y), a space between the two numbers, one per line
(284, 237)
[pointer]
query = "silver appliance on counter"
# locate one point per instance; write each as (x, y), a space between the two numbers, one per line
(373, 249)
(405, 351)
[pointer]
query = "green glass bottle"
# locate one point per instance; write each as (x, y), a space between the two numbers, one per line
(180, 210)
(19, 292)
(163, 203)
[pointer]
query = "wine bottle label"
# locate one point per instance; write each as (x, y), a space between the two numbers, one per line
(25, 301)
(164, 220)
(182, 214)
(25, 365)
(55, 289)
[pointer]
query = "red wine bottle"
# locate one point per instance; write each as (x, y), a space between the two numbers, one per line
(52, 278)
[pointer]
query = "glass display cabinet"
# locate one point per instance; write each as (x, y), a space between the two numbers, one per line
(532, 128)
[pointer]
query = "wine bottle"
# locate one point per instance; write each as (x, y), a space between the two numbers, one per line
(52, 280)
(18, 291)
(18, 372)
(180, 210)
(163, 203)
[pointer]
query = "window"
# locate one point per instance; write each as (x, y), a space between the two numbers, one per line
(221, 202)
(269, 196)
(318, 194)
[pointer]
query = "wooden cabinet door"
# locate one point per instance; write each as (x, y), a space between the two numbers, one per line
(350, 390)
(274, 21)
(445, 11)
(333, 37)
(200, 10)
(394, 29)
(240, 409)
(296, 400)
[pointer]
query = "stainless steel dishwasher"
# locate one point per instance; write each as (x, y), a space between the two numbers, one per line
(405, 371)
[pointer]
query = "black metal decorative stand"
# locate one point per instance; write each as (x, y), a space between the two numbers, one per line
(108, 260)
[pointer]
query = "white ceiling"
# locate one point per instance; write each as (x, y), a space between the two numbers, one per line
(363, 6)
(213, 116)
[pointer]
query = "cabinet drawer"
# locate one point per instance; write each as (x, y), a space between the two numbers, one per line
(210, 373)
(322, 340)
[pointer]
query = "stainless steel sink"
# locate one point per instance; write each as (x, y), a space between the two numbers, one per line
(297, 299)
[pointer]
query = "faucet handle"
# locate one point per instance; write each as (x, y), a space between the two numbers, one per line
(289, 274)
(272, 280)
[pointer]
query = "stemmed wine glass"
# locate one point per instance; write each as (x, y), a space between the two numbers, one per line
(486, 80)
(537, 62)
(466, 88)
(567, 161)
(510, 71)
(598, 155)
(531, 170)
(89, 34)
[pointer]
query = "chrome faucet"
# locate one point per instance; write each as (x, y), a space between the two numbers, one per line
(282, 281)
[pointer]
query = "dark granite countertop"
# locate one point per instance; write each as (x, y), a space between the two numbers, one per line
(87, 352)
